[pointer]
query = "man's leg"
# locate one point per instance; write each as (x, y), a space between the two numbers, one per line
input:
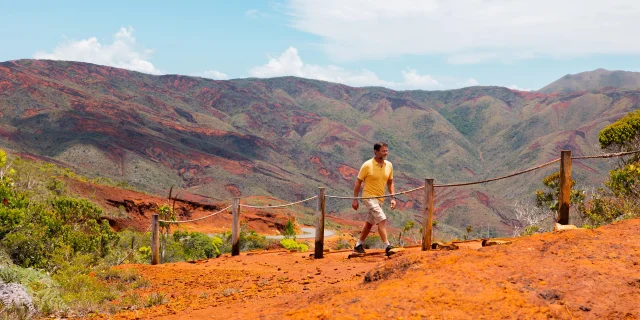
(365, 231)
(382, 229)
(359, 248)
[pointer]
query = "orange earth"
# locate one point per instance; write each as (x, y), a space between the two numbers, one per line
(574, 274)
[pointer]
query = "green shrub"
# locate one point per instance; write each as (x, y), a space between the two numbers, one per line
(622, 199)
(289, 230)
(44, 290)
(31, 247)
(155, 299)
(131, 301)
(342, 244)
(625, 181)
(604, 209)
(79, 288)
(530, 230)
(145, 253)
(10, 219)
(249, 240)
(549, 199)
(291, 244)
(196, 245)
(55, 186)
(58, 247)
(372, 241)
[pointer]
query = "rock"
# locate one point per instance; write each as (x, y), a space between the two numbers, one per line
(443, 246)
(585, 308)
(489, 242)
(560, 227)
(15, 295)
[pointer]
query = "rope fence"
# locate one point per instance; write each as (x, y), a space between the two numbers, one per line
(498, 178)
(427, 209)
(608, 155)
(193, 220)
(375, 197)
(278, 206)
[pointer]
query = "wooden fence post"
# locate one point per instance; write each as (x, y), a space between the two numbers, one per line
(235, 228)
(564, 199)
(155, 240)
(427, 213)
(320, 212)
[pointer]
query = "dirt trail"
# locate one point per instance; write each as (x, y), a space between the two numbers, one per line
(575, 274)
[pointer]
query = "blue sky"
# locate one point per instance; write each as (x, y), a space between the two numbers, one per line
(404, 44)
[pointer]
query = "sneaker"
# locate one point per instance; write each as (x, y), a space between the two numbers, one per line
(358, 249)
(387, 250)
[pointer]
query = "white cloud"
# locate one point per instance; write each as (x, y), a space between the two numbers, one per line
(122, 53)
(213, 74)
(514, 87)
(289, 63)
(255, 14)
(412, 78)
(469, 31)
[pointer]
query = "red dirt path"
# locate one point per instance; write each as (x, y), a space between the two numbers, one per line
(575, 274)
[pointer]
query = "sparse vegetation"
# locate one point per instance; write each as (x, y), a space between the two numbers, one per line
(620, 198)
(289, 230)
(155, 299)
(292, 244)
(198, 245)
(372, 241)
(61, 249)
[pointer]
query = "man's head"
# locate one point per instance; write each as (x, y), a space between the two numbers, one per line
(381, 150)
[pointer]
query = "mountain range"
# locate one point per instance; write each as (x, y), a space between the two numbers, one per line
(285, 137)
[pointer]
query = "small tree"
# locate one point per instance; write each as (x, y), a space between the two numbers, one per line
(409, 225)
(289, 230)
(469, 229)
(165, 212)
(549, 199)
(621, 198)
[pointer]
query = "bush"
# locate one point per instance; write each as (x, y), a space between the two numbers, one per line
(549, 199)
(342, 244)
(155, 299)
(197, 245)
(604, 208)
(45, 292)
(291, 244)
(372, 241)
(10, 219)
(622, 199)
(289, 230)
(249, 240)
(58, 247)
(530, 230)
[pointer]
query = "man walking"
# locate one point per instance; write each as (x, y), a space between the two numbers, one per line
(375, 173)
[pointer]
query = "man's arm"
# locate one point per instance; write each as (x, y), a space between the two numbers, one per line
(356, 190)
(392, 189)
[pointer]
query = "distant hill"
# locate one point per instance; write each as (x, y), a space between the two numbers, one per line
(594, 80)
(285, 137)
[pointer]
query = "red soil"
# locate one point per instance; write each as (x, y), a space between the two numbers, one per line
(138, 209)
(575, 274)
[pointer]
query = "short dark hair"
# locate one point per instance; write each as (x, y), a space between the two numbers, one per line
(379, 145)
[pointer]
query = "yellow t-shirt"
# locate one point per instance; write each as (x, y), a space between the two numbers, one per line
(375, 177)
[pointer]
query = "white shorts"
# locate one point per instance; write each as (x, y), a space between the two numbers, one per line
(375, 214)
